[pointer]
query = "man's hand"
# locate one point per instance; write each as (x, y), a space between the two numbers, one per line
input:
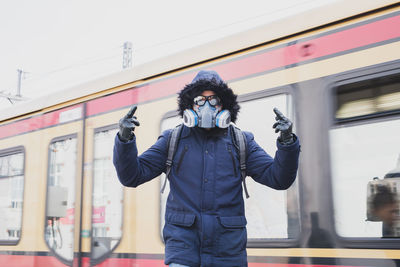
(284, 125)
(127, 125)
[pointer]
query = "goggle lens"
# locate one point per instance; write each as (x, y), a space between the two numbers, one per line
(212, 99)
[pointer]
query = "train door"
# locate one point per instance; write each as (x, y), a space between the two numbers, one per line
(102, 196)
(84, 197)
(63, 194)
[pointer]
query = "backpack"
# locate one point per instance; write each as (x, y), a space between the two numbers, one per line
(239, 141)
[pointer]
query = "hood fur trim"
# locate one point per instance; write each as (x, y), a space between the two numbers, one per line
(208, 80)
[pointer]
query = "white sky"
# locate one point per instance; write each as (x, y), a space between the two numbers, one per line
(60, 43)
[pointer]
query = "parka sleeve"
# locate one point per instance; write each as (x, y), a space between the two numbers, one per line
(278, 172)
(134, 170)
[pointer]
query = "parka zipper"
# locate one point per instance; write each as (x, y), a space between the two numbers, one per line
(233, 160)
(181, 158)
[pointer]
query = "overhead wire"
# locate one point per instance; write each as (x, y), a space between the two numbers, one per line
(83, 62)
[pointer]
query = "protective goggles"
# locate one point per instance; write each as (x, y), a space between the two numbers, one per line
(212, 99)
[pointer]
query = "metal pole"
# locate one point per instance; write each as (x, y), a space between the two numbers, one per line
(19, 82)
(127, 55)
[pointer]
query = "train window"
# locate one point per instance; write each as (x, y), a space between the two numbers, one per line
(365, 158)
(378, 96)
(60, 208)
(271, 214)
(11, 194)
(107, 196)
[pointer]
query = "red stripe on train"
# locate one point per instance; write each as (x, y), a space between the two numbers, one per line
(36, 122)
(29, 261)
(114, 262)
(275, 58)
(326, 45)
(39, 261)
(160, 263)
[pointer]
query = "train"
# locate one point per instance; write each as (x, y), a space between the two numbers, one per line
(334, 70)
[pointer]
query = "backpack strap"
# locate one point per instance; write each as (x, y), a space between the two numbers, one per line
(240, 142)
(172, 145)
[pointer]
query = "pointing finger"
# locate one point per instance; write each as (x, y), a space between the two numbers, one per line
(131, 111)
(278, 113)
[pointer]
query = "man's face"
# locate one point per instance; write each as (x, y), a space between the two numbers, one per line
(387, 213)
(207, 94)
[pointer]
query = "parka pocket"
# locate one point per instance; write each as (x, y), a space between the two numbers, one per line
(179, 230)
(180, 219)
(232, 236)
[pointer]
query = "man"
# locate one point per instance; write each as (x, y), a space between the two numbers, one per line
(205, 222)
(384, 207)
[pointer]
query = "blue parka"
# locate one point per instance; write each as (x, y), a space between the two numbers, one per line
(205, 222)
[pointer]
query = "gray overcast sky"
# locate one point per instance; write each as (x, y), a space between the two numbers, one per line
(60, 43)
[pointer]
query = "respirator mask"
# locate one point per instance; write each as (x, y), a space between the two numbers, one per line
(205, 113)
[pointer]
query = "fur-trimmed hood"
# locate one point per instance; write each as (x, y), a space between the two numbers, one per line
(208, 80)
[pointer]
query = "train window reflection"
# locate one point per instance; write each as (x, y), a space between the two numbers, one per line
(373, 96)
(270, 213)
(107, 196)
(366, 179)
(60, 209)
(11, 195)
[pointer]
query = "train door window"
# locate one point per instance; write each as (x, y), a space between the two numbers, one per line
(11, 194)
(60, 209)
(107, 196)
(271, 214)
(365, 157)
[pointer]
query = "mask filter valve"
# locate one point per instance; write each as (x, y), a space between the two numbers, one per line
(223, 119)
(190, 118)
